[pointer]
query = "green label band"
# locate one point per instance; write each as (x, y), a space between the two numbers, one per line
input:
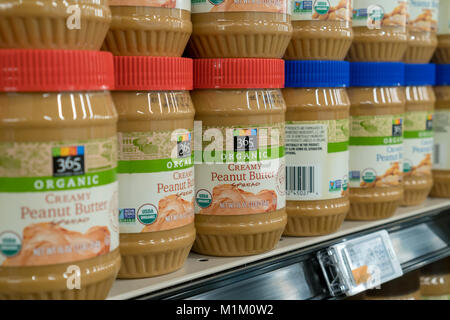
(42, 184)
(418, 134)
(375, 141)
(151, 166)
(337, 147)
(240, 156)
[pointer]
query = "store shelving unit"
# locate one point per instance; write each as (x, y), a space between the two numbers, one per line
(420, 235)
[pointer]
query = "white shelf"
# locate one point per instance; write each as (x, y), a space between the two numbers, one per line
(199, 266)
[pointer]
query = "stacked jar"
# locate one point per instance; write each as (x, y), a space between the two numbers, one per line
(376, 139)
(418, 132)
(317, 117)
(239, 155)
(441, 128)
(58, 226)
(156, 120)
(239, 142)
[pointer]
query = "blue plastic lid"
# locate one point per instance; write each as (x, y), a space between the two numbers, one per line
(443, 74)
(420, 74)
(316, 74)
(377, 74)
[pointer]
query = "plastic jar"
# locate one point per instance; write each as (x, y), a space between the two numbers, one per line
(435, 280)
(57, 175)
(156, 165)
(407, 287)
(379, 29)
(376, 139)
(317, 132)
(442, 53)
(418, 132)
(225, 29)
(322, 31)
(54, 24)
(149, 28)
(239, 144)
(441, 128)
(421, 27)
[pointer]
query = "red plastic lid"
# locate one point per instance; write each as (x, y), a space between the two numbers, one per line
(238, 73)
(55, 70)
(134, 73)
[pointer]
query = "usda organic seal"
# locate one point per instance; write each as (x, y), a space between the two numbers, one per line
(147, 214)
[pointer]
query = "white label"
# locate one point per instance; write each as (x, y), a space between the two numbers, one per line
(58, 227)
(323, 10)
(441, 128)
(242, 170)
(280, 6)
(316, 167)
(175, 4)
(376, 151)
(423, 15)
(156, 201)
(375, 14)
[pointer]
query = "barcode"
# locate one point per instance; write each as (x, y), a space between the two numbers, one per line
(436, 154)
(301, 179)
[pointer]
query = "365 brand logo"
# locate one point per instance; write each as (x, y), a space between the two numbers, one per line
(73, 275)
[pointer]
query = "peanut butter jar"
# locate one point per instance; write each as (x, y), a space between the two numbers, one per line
(149, 27)
(407, 287)
(156, 164)
(322, 30)
(54, 24)
(435, 280)
(376, 139)
(240, 194)
(421, 26)
(317, 133)
(379, 28)
(442, 53)
(59, 232)
(418, 132)
(441, 128)
(232, 29)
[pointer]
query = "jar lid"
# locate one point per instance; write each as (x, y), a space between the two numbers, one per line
(443, 74)
(420, 74)
(317, 74)
(134, 73)
(237, 73)
(55, 70)
(377, 74)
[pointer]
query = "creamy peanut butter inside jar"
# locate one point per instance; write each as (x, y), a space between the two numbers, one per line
(59, 232)
(435, 280)
(407, 287)
(422, 27)
(322, 30)
(441, 128)
(53, 24)
(376, 139)
(379, 28)
(240, 29)
(317, 133)
(442, 53)
(149, 27)
(418, 132)
(239, 155)
(156, 164)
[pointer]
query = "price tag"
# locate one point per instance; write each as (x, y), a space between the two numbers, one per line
(359, 264)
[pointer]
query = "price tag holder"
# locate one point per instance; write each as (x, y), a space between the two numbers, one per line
(359, 264)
